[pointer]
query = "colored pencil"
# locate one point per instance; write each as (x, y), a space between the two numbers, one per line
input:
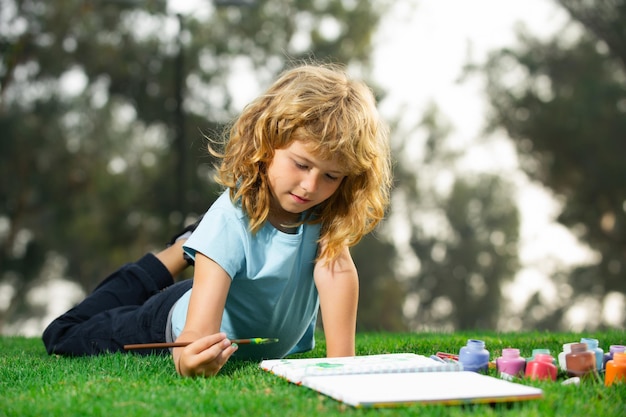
(252, 341)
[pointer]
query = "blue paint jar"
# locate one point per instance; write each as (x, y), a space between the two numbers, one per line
(474, 357)
(592, 345)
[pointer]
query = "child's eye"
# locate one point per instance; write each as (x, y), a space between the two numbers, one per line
(332, 177)
(301, 166)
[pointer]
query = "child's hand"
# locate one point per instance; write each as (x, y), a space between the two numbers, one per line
(206, 356)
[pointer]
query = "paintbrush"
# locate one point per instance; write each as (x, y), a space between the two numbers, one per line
(252, 341)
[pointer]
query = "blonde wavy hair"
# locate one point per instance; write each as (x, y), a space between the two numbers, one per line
(337, 117)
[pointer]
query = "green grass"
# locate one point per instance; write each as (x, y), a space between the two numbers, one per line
(35, 384)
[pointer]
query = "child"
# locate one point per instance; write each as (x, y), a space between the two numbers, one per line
(307, 175)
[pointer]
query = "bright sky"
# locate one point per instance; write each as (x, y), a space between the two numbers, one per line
(421, 49)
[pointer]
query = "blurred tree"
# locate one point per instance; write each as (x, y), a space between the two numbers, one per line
(380, 293)
(90, 104)
(461, 238)
(460, 282)
(563, 102)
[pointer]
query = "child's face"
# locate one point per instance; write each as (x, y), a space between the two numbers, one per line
(299, 180)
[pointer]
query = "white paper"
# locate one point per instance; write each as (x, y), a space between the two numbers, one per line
(378, 390)
(396, 379)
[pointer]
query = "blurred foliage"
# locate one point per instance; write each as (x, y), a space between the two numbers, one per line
(462, 232)
(104, 105)
(563, 102)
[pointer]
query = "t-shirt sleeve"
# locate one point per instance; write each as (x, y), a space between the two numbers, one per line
(220, 236)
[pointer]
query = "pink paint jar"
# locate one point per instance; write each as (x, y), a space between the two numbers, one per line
(510, 364)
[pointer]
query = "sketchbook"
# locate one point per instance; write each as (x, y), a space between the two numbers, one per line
(397, 379)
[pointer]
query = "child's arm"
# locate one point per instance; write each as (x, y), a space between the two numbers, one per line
(337, 283)
(210, 349)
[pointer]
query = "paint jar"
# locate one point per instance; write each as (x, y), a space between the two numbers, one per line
(616, 369)
(510, 364)
(612, 350)
(567, 348)
(593, 346)
(541, 367)
(537, 352)
(474, 357)
(580, 361)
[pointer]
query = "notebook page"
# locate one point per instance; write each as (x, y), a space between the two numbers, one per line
(294, 370)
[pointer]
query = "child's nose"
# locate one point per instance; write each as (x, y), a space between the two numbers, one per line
(309, 182)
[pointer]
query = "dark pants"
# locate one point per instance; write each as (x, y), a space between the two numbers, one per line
(130, 306)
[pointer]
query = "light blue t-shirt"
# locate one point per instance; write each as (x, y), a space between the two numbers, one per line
(272, 293)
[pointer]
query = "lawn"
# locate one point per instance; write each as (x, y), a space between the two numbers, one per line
(35, 384)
